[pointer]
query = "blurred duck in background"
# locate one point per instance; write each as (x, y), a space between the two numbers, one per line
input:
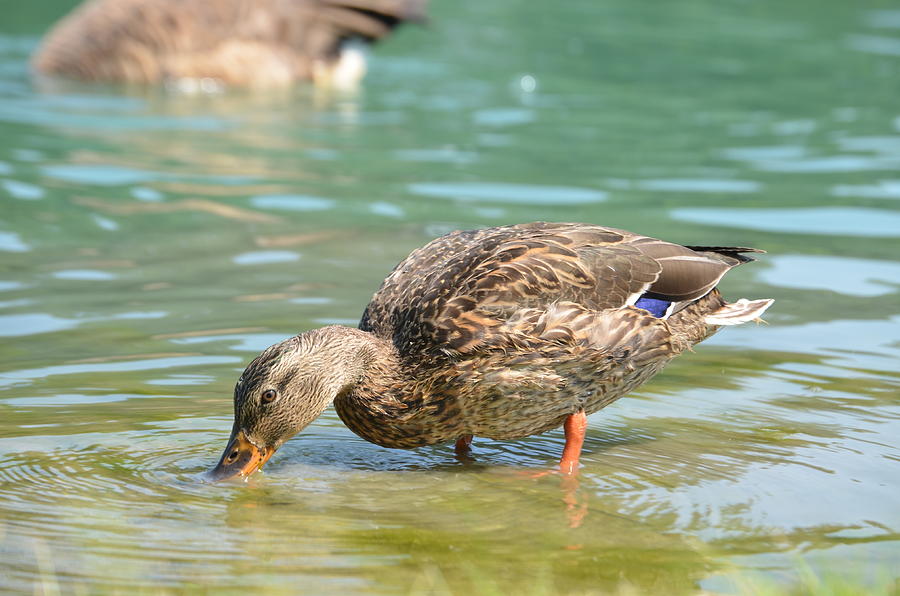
(206, 44)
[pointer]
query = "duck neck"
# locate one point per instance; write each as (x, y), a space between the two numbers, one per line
(387, 405)
(359, 356)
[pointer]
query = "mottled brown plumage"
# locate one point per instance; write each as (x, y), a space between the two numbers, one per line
(259, 43)
(501, 333)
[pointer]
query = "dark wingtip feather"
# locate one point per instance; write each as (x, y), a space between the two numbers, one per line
(390, 12)
(734, 252)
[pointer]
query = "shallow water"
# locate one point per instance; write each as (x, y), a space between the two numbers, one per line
(151, 243)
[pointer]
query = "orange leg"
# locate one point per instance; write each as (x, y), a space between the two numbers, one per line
(575, 427)
(462, 445)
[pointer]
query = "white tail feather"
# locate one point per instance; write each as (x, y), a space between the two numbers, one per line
(347, 72)
(739, 312)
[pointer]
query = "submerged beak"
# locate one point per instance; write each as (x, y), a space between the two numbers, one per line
(241, 458)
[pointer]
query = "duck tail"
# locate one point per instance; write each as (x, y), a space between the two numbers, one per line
(738, 312)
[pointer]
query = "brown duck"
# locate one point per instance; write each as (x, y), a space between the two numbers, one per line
(501, 333)
(254, 43)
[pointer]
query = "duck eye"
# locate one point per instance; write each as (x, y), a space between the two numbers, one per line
(269, 396)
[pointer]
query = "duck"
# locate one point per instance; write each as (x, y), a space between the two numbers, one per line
(219, 43)
(500, 333)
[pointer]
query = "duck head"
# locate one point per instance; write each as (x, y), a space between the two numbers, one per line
(284, 389)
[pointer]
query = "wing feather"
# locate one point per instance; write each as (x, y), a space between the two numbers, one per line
(463, 291)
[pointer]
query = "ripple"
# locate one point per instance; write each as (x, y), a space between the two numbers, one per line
(503, 116)
(6, 286)
(71, 399)
(33, 324)
(699, 185)
(262, 257)
(386, 209)
(101, 175)
(19, 377)
(22, 190)
(858, 277)
(139, 314)
(767, 153)
(15, 303)
(93, 113)
(794, 159)
(524, 194)
(62, 474)
(322, 154)
(839, 221)
(874, 44)
(11, 242)
(65, 485)
(143, 193)
(884, 189)
(123, 509)
(794, 127)
(292, 202)
(320, 448)
(181, 380)
(831, 163)
(444, 155)
(31, 155)
(311, 300)
(84, 275)
(886, 19)
(868, 344)
(879, 144)
(252, 342)
(105, 223)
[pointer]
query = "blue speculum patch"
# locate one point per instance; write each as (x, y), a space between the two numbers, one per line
(654, 306)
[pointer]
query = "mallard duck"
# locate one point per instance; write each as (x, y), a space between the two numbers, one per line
(256, 43)
(501, 333)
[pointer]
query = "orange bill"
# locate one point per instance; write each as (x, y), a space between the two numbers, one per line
(241, 458)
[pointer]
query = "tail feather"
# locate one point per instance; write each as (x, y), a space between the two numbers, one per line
(738, 312)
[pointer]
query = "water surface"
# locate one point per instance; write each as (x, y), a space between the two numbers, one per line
(151, 243)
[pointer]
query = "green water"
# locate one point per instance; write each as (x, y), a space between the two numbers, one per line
(150, 244)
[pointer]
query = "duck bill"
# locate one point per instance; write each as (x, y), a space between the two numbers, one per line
(241, 458)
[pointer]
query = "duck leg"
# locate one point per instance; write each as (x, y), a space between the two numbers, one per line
(574, 427)
(462, 445)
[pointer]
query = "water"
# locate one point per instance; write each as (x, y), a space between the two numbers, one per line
(151, 244)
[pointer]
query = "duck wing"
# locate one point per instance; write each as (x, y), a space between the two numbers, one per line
(462, 291)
